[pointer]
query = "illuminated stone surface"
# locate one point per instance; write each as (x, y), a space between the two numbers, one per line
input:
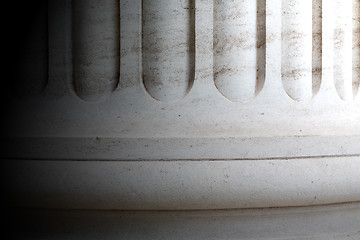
(113, 133)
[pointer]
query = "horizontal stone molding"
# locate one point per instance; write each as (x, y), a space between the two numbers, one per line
(331, 222)
(182, 185)
(189, 149)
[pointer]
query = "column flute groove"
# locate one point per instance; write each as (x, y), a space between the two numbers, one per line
(96, 50)
(168, 48)
(239, 48)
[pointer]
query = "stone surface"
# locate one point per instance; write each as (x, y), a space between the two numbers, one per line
(201, 105)
(239, 48)
(183, 184)
(168, 50)
(95, 48)
(296, 48)
(307, 223)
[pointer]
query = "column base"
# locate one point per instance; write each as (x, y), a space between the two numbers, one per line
(326, 222)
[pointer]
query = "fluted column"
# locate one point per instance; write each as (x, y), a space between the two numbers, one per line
(224, 104)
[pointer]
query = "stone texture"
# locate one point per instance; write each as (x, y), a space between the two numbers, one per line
(239, 46)
(95, 48)
(296, 65)
(343, 49)
(175, 133)
(314, 223)
(168, 48)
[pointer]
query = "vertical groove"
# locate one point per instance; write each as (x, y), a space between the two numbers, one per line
(239, 48)
(356, 46)
(168, 48)
(130, 40)
(343, 48)
(69, 45)
(260, 46)
(59, 35)
(95, 47)
(33, 76)
(296, 64)
(316, 45)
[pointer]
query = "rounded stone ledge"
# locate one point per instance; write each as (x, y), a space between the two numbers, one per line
(331, 222)
(182, 185)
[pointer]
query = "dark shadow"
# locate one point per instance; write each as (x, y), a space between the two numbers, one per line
(29, 43)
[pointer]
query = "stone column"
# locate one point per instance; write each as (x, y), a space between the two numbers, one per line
(187, 107)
